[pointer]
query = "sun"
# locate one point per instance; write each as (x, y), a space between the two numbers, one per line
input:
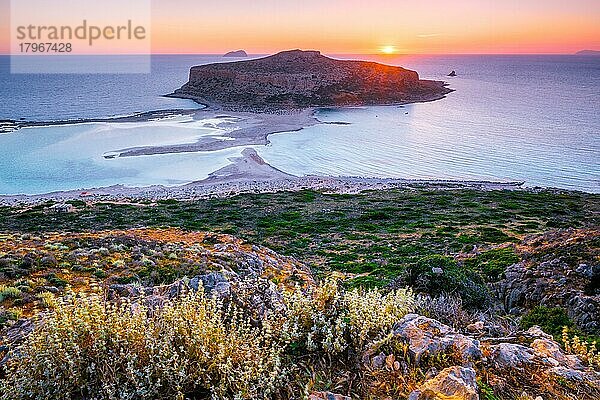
(388, 49)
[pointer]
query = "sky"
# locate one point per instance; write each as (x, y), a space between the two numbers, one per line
(365, 27)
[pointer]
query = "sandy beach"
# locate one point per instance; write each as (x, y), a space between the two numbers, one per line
(250, 129)
(250, 174)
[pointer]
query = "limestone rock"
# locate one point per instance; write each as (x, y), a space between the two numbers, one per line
(327, 396)
(510, 355)
(456, 383)
(426, 336)
(549, 351)
(537, 332)
(476, 327)
(546, 278)
(574, 375)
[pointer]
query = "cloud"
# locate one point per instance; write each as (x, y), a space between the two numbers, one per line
(428, 35)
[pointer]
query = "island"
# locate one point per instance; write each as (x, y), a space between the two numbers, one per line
(299, 79)
(588, 53)
(237, 53)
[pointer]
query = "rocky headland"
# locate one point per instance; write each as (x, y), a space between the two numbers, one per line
(304, 79)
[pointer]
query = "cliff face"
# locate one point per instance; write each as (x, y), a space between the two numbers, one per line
(298, 79)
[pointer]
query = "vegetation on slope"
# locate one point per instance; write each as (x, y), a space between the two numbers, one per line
(450, 247)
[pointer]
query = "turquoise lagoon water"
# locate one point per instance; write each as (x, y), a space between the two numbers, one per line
(44, 159)
(529, 118)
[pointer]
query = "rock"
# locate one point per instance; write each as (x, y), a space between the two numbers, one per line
(124, 290)
(456, 383)
(259, 296)
(550, 352)
(214, 283)
(51, 289)
(437, 270)
(510, 355)
(378, 361)
(14, 336)
(476, 327)
(576, 375)
(19, 331)
(546, 278)
(427, 337)
(327, 396)
(301, 79)
(453, 73)
(537, 332)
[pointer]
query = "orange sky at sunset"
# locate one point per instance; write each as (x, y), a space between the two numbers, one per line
(352, 26)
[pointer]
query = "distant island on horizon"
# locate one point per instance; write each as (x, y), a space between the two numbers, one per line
(298, 79)
(588, 53)
(236, 53)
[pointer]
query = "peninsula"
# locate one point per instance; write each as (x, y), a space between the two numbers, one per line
(299, 79)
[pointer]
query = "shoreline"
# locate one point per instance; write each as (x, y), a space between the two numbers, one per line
(249, 173)
(206, 189)
(250, 129)
(9, 125)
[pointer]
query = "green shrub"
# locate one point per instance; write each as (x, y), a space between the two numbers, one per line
(551, 320)
(492, 264)
(436, 274)
(56, 281)
(9, 292)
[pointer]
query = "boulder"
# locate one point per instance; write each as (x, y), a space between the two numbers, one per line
(457, 383)
(476, 327)
(510, 355)
(550, 352)
(214, 283)
(427, 337)
(327, 396)
(592, 377)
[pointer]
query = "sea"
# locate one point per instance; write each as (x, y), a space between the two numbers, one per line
(530, 118)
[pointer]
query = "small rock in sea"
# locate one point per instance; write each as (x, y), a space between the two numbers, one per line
(453, 73)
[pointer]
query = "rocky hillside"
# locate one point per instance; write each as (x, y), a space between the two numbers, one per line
(299, 79)
(265, 327)
(381, 295)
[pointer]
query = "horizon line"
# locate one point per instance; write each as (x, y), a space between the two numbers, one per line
(324, 53)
